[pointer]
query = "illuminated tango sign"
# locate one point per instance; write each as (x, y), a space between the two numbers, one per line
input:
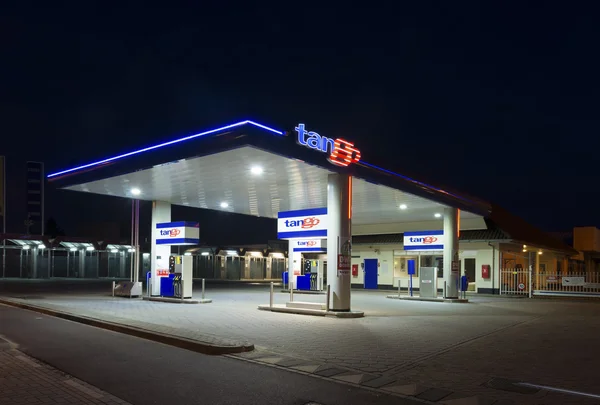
(341, 152)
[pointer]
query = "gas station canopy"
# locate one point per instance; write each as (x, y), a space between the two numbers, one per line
(249, 168)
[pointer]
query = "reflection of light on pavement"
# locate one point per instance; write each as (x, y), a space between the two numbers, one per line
(543, 387)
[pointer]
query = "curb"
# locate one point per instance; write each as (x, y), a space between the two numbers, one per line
(419, 299)
(171, 340)
(314, 312)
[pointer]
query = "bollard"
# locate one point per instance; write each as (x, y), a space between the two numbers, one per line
(328, 297)
(531, 281)
(291, 284)
(444, 296)
(399, 283)
(181, 286)
(203, 286)
(149, 288)
(113, 292)
(271, 296)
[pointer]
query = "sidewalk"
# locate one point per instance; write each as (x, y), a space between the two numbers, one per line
(24, 380)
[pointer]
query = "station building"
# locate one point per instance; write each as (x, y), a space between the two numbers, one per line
(363, 222)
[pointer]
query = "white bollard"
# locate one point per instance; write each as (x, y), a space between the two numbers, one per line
(444, 296)
(203, 287)
(113, 290)
(328, 297)
(531, 281)
(271, 296)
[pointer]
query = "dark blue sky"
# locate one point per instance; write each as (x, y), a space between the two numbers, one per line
(499, 101)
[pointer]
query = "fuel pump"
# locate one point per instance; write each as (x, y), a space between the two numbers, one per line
(179, 282)
(318, 270)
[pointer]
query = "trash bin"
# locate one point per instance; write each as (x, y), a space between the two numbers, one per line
(285, 278)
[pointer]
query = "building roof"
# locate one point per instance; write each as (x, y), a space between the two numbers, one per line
(493, 234)
(59, 242)
(521, 231)
(501, 226)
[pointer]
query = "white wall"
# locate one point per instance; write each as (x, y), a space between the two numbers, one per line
(484, 254)
(384, 255)
(480, 251)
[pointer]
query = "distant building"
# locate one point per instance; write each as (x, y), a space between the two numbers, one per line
(35, 181)
(586, 240)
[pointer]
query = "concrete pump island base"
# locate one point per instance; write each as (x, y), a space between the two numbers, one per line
(326, 199)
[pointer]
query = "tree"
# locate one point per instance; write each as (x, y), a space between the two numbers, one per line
(52, 229)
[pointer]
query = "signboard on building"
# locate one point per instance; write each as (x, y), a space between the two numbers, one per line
(344, 264)
(573, 281)
(344, 255)
(424, 240)
(455, 266)
(308, 223)
(309, 245)
(177, 233)
(341, 152)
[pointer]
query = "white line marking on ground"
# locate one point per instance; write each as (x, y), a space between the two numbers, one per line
(564, 391)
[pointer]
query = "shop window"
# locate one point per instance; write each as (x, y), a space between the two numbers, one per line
(434, 261)
(401, 266)
(426, 261)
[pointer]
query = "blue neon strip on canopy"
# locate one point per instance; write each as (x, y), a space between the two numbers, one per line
(411, 180)
(302, 213)
(149, 148)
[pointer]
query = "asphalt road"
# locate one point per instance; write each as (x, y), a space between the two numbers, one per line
(145, 372)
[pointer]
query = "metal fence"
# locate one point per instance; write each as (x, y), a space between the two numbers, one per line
(572, 284)
(514, 281)
(63, 263)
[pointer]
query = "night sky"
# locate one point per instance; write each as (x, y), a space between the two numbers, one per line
(500, 102)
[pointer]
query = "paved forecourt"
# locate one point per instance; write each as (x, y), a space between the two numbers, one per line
(398, 343)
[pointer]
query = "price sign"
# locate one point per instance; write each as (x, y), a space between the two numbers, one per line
(344, 263)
